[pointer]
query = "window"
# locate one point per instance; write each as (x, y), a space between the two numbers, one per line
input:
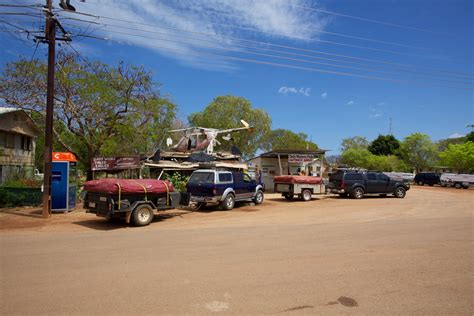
(353, 176)
(246, 178)
(383, 177)
(10, 140)
(202, 177)
(25, 142)
(3, 139)
(225, 177)
(371, 176)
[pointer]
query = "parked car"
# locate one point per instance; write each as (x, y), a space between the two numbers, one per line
(359, 183)
(429, 178)
(457, 180)
(223, 187)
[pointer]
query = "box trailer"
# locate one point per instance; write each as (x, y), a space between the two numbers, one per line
(302, 186)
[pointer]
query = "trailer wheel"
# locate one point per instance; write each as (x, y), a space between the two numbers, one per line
(288, 196)
(142, 215)
(306, 195)
(228, 202)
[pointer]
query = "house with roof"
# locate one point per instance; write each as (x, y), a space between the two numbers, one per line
(287, 162)
(18, 134)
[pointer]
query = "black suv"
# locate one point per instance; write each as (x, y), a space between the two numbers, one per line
(429, 178)
(358, 183)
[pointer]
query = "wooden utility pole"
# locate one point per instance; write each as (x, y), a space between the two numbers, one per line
(48, 134)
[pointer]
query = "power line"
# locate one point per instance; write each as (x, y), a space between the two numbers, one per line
(366, 19)
(280, 34)
(266, 49)
(272, 44)
(268, 55)
(255, 61)
(320, 40)
(331, 33)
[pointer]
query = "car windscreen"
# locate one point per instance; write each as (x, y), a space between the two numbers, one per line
(202, 177)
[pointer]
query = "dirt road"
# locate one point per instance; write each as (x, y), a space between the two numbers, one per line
(327, 256)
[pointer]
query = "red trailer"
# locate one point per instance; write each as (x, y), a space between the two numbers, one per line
(131, 199)
(302, 186)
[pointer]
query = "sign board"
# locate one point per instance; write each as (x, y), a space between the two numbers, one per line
(115, 163)
(300, 158)
(63, 156)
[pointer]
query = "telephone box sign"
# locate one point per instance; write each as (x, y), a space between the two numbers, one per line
(300, 158)
(115, 163)
(63, 156)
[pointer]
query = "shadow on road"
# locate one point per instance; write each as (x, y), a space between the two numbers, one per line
(104, 224)
(33, 214)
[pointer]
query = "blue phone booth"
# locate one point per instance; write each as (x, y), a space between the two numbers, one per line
(63, 182)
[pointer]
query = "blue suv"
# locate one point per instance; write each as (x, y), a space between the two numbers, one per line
(223, 187)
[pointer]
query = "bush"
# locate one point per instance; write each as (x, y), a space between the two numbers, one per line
(22, 183)
(179, 181)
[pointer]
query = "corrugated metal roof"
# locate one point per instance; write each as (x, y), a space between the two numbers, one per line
(4, 110)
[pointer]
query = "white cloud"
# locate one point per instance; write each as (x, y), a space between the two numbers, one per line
(350, 102)
(288, 90)
(375, 112)
(324, 95)
(456, 135)
(216, 19)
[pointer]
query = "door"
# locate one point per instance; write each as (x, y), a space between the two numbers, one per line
(372, 185)
(384, 183)
(59, 185)
(249, 185)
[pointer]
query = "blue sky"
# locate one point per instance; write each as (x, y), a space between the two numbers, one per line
(432, 37)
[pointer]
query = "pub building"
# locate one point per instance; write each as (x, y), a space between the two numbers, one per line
(287, 162)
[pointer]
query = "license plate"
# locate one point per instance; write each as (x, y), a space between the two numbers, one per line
(198, 199)
(91, 204)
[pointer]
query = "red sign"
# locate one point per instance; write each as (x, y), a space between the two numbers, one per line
(115, 163)
(63, 156)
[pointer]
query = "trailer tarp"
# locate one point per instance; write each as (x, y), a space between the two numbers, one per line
(297, 179)
(130, 186)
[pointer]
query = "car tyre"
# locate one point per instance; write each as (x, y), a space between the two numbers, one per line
(457, 185)
(400, 192)
(142, 215)
(358, 193)
(229, 202)
(421, 183)
(258, 199)
(306, 195)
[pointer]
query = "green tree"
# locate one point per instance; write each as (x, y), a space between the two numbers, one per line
(100, 110)
(357, 142)
(384, 145)
(418, 151)
(226, 112)
(470, 137)
(364, 159)
(286, 139)
(459, 157)
(356, 157)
